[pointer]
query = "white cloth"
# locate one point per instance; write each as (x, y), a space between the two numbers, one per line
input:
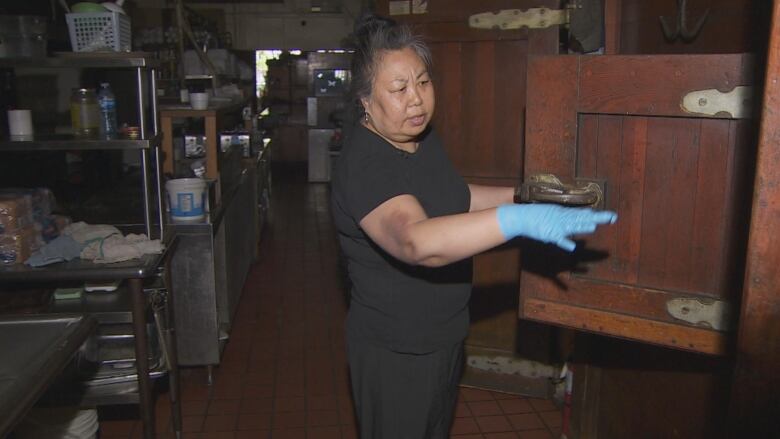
(84, 233)
(118, 248)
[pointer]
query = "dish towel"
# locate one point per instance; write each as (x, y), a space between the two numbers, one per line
(100, 243)
(118, 248)
(63, 248)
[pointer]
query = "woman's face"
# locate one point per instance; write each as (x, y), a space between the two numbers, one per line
(402, 99)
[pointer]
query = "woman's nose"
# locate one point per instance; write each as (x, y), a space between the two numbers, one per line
(416, 98)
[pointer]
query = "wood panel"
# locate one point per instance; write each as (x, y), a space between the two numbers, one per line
(675, 220)
(733, 26)
(449, 11)
(482, 126)
(616, 324)
(681, 185)
(633, 390)
(552, 124)
(639, 87)
(756, 388)
(678, 184)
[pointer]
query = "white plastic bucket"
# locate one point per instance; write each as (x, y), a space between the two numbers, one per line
(58, 423)
(186, 199)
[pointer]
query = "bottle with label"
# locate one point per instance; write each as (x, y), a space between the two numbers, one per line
(108, 125)
(84, 112)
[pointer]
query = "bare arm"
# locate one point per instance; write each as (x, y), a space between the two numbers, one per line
(485, 197)
(401, 227)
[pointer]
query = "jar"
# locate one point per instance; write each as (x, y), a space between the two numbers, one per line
(84, 112)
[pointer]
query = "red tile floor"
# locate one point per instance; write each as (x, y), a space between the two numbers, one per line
(284, 371)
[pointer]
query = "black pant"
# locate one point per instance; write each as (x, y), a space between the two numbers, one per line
(404, 396)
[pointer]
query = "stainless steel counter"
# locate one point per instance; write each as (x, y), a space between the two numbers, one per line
(208, 272)
(35, 349)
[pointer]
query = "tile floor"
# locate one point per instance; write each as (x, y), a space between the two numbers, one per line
(284, 372)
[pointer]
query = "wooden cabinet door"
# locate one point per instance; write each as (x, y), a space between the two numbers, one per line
(680, 183)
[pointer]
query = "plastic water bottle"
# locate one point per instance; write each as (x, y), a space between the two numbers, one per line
(107, 101)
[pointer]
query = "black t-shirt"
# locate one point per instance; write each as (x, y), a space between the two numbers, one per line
(406, 308)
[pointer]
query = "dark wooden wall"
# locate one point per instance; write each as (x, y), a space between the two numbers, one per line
(755, 400)
(626, 389)
(732, 26)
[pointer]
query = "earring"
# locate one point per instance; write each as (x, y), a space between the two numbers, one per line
(365, 118)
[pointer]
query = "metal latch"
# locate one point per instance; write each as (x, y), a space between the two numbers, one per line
(533, 18)
(735, 104)
(708, 313)
(548, 188)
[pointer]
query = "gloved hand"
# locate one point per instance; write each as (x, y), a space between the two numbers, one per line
(550, 223)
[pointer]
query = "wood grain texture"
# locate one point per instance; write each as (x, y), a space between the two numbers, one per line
(457, 10)
(733, 26)
(612, 26)
(622, 325)
(551, 125)
(634, 85)
(677, 184)
(631, 189)
(480, 93)
(638, 301)
(710, 211)
(672, 199)
(755, 402)
(639, 390)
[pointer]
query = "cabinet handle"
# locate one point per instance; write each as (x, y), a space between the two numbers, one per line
(548, 188)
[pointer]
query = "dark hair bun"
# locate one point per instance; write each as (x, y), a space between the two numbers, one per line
(369, 24)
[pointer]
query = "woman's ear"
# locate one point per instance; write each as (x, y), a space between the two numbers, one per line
(364, 103)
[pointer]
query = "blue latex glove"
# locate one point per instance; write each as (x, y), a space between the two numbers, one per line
(550, 223)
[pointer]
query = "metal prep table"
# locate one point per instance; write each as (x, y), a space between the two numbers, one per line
(134, 272)
(35, 349)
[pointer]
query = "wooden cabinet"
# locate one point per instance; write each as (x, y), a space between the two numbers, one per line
(694, 194)
(680, 182)
(669, 272)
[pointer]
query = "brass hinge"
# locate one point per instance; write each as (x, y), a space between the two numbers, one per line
(735, 104)
(703, 312)
(508, 19)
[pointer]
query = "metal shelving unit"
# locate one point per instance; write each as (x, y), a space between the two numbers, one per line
(78, 269)
(68, 142)
(134, 272)
(71, 60)
(149, 141)
(106, 370)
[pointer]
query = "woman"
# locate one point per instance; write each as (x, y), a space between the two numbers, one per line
(408, 225)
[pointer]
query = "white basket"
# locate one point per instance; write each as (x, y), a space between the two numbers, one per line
(99, 31)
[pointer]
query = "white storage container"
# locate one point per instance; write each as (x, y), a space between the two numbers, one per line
(99, 31)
